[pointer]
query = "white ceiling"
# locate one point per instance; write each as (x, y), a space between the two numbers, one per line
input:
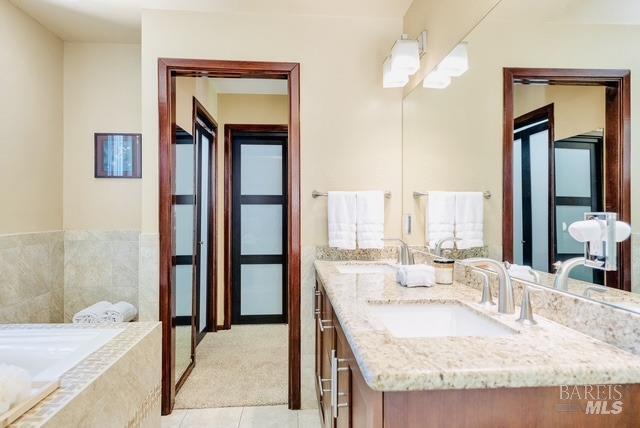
(119, 20)
(250, 86)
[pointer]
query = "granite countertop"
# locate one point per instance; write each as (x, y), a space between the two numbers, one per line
(546, 354)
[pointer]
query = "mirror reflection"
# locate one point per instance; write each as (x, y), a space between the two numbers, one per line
(548, 138)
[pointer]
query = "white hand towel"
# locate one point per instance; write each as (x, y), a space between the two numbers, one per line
(370, 219)
(92, 314)
(15, 386)
(120, 312)
(469, 222)
(416, 275)
(441, 210)
(342, 220)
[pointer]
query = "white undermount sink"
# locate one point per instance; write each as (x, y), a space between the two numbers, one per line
(435, 320)
(365, 268)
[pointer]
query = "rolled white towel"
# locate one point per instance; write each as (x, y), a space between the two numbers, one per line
(523, 272)
(92, 314)
(120, 312)
(416, 275)
(15, 386)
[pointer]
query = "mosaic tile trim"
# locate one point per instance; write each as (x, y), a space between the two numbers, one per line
(150, 402)
(86, 372)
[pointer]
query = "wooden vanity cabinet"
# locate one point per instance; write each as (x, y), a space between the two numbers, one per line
(354, 403)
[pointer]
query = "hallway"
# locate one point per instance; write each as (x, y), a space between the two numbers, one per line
(244, 366)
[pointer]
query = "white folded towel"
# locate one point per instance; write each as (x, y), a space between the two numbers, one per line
(370, 219)
(342, 220)
(120, 312)
(416, 275)
(469, 222)
(92, 314)
(522, 272)
(441, 210)
(15, 386)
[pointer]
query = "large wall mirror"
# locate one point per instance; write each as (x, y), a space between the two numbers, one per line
(541, 126)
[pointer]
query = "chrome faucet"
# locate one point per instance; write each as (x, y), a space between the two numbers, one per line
(438, 249)
(505, 290)
(564, 269)
(405, 256)
(597, 288)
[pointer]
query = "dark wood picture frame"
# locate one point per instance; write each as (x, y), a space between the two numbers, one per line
(99, 138)
(617, 85)
(168, 70)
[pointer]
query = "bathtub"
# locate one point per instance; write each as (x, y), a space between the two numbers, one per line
(47, 353)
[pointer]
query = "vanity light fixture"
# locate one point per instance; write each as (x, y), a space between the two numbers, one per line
(457, 62)
(404, 60)
(391, 79)
(436, 79)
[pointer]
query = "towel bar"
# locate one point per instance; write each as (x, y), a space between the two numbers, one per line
(486, 194)
(316, 194)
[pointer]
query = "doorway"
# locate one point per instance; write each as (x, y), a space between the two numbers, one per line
(257, 279)
(616, 186)
(169, 70)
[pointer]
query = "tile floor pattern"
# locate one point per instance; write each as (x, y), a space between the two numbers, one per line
(242, 417)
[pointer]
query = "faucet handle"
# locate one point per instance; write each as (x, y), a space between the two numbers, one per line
(526, 312)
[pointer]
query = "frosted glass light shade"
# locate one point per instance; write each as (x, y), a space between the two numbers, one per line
(456, 63)
(392, 79)
(405, 56)
(436, 80)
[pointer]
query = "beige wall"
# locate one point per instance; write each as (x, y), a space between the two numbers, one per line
(447, 23)
(241, 109)
(205, 92)
(101, 94)
(348, 120)
(576, 109)
(453, 137)
(30, 124)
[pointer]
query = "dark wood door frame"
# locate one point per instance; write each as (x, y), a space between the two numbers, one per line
(200, 111)
(229, 129)
(168, 70)
(617, 85)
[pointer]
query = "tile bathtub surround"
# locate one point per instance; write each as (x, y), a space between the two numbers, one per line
(98, 391)
(31, 277)
(617, 327)
(389, 363)
(149, 277)
(100, 265)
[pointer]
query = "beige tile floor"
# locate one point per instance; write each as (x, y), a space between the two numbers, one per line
(242, 417)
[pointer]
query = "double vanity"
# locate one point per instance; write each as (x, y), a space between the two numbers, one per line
(392, 356)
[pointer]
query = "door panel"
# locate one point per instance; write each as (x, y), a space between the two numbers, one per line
(259, 227)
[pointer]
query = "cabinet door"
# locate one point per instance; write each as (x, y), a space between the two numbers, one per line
(326, 331)
(358, 405)
(342, 399)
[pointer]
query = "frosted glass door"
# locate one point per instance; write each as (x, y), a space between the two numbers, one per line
(579, 189)
(204, 263)
(259, 227)
(531, 148)
(184, 215)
